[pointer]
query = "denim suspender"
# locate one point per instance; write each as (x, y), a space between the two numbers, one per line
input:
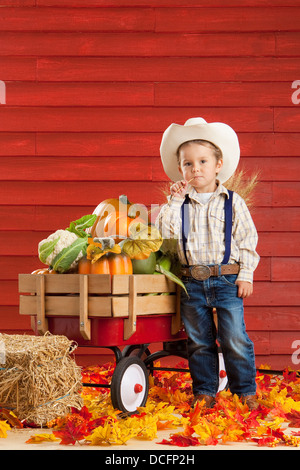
(185, 225)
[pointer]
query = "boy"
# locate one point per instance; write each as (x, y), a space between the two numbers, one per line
(216, 247)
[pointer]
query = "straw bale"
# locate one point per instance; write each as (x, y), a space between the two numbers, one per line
(39, 380)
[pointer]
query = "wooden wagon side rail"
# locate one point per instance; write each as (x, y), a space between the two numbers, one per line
(98, 295)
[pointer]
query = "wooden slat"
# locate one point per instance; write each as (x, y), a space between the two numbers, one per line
(145, 192)
(164, 3)
(84, 321)
(81, 119)
(165, 69)
(66, 306)
(42, 322)
(230, 94)
(83, 169)
(130, 322)
(65, 283)
(76, 19)
(83, 94)
(21, 69)
(137, 45)
(145, 283)
(147, 144)
(239, 19)
(48, 218)
(145, 305)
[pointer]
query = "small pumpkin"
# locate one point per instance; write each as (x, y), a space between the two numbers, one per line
(44, 271)
(110, 263)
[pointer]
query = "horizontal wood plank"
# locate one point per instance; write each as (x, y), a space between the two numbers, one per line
(76, 19)
(166, 69)
(240, 19)
(41, 168)
(286, 269)
(276, 244)
(50, 218)
(78, 169)
(146, 94)
(145, 192)
(21, 93)
(65, 283)
(284, 294)
(254, 144)
(162, 3)
(81, 119)
(136, 45)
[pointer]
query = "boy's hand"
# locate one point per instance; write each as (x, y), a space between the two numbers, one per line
(245, 289)
(179, 188)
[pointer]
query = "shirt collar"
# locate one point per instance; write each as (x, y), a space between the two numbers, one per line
(220, 190)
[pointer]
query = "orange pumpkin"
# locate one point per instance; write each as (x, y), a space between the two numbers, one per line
(105, 208)
(114, 217)
(110, 263)
(117, 225)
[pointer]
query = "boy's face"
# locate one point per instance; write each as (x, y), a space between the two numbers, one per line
(200, 163)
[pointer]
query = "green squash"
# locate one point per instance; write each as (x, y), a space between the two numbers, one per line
(144, 266)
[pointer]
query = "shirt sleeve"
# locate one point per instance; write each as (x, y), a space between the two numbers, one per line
(245, 236)
(169, 221)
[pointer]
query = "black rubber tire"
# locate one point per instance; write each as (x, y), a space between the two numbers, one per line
(122, 388)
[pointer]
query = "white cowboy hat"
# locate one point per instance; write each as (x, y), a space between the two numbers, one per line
(218, 133)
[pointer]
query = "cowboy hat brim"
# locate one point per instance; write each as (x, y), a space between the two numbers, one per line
(218, 133)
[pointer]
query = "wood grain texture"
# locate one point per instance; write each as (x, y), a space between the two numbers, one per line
(90, 87)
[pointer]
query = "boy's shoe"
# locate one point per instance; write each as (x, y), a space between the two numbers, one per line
(209, 402)
(250, 401)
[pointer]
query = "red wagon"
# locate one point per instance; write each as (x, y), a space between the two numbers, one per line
(118, 311)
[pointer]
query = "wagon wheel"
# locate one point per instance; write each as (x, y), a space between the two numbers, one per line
(129, 384)
(223, 379)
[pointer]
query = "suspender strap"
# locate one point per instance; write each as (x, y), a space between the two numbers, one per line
(185, 225)
(228, 227)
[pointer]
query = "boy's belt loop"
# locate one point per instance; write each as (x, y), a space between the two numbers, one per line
(185, 225)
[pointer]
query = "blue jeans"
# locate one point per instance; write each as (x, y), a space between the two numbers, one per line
(237, 348)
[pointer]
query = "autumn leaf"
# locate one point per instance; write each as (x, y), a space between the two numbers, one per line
(11, 418)
(72, 432)
(180, 440)
(109, 434)
(207, 431)
(44, 437)
(4, 427)
(294, 418)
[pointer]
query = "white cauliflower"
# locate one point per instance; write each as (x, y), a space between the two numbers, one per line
(62, 250)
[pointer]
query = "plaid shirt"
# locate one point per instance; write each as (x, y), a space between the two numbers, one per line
(205, 241)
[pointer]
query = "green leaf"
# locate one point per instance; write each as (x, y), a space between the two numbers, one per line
(78, 226)
(171, 276)
(68, 255)
(46, 249)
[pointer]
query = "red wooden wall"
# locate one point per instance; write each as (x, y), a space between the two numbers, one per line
(90, 87)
